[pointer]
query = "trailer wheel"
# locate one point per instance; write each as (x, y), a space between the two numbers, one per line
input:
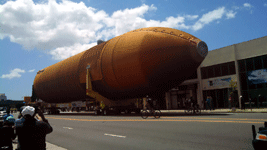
(126, 111)
(116, 112)
(137, 111)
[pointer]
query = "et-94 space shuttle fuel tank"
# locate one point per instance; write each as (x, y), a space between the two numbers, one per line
(141, 62)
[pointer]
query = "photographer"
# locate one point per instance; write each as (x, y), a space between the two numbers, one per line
(32, 133)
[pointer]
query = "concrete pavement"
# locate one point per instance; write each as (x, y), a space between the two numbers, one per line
(254, 110)
(49, 146)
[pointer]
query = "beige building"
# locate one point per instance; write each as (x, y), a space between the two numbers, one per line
(3, 97)
(244, 64)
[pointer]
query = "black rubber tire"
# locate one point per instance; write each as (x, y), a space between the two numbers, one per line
(144, 114)
(157, 114)
(198, 111)
(127, 111)
(188, 111)
(137, 111)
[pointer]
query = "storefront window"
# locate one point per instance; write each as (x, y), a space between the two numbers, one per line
(258, 63)
(250, 64)
(217, 70)
(225, 70)
(260, 85)
(232, 68)
(210, 72)
(264, 58)
(241, 65)
(243, 80)
(245, 96)
(204, 72)
(252, 86)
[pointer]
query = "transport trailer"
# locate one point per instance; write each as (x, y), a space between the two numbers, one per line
(51, 109)
(106, 107)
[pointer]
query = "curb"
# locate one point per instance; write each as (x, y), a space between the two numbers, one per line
(219, 111)
(49, 146)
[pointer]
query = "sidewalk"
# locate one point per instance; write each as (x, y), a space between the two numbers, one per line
(49, 146)
(254, 110)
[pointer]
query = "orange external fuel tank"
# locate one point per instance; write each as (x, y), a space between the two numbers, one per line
(145, 61)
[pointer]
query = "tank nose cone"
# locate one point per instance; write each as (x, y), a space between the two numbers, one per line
(202, 49)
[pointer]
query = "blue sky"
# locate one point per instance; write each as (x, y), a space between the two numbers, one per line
(36, 34)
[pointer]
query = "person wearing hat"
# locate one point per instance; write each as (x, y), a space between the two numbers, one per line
(7, 133)
(32, 133)
(20, 120)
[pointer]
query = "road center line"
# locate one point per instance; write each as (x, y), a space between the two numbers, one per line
(113, 135)
(166, 117)
(67, 128)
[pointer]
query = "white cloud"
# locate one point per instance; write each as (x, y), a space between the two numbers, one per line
(49, 25)
(247, 5)
(15, 73)
(122, 21)
(31, 70)
(209, 17)
(66, 28)
(65, 52)
(230, 14)
(265, 5)
(191, 17)
(212, 15)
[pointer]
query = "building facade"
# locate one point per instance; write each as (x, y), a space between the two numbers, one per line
(3, 97)
(243, 64)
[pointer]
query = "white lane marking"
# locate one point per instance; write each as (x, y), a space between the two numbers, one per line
(113, 135)
(67, 128)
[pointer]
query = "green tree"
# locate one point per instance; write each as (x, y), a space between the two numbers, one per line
(233, 93)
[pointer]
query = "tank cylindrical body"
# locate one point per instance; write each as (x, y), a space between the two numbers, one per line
(137, 63)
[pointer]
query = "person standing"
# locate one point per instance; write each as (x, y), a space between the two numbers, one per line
(7, 133)
(212, 103)
(194, 102)
(7, 115)
(208, 101)
(261, 100)
(32, 133)
(242, 102)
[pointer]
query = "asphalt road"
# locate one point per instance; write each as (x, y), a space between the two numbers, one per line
(218, 131)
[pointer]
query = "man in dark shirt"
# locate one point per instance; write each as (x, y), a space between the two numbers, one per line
(194, 102)
(7, 134)
(32, 133)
